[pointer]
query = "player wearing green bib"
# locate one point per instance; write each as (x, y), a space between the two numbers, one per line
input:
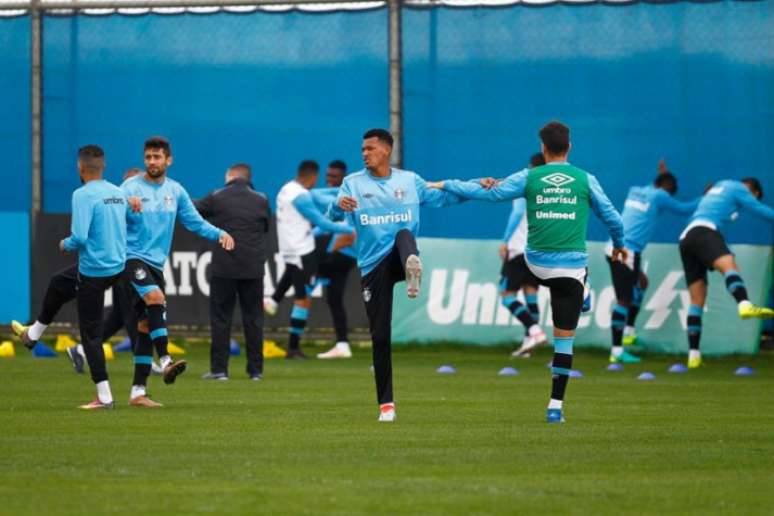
(560, 198)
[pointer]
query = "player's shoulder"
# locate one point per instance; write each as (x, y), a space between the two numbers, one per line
(132, 182)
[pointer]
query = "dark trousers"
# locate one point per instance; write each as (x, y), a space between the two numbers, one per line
(91, 301)
(223, 297)
(336, 269)
(121, 315)
(377, 294)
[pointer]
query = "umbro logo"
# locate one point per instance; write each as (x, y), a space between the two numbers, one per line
(557, 179)
(368, 195)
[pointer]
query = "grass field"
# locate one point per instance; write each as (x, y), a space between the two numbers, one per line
(305, 440)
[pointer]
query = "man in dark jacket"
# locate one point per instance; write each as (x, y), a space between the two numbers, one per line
(244, 214)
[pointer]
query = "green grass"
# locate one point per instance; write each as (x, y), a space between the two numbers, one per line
(306, 440)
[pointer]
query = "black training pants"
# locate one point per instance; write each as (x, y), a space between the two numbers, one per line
(91, 302)
(336, 269)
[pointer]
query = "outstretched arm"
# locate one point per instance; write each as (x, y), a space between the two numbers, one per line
(194, 222)
(323, 197)
(748, 201)
(305, 205)
(669, 203)
(433, 197)
(512, 187)
(606, 212)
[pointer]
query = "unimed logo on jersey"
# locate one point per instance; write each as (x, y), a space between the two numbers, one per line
(557, 179)
(390, 218)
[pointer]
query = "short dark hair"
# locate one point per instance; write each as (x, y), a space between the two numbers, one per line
(537, 160)
(242, 170)
(158, 142)
(755, 185)
(338, 165)
(382, 135)
(556, 137)
(92, 158)
(308, 167)
(667, 181)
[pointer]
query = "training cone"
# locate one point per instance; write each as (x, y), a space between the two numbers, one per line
(271, 350)
(744, 371)
(108, 351)
(678, 368)
(615, 367)
(40, 350)
(63, 342)
(7, 350)
(508, 371)
(576, 374)
(123, 346)
(446, 369)
(234, 349)
(646, 376)
(174, 349)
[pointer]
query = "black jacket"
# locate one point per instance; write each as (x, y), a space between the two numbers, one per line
(244, 214)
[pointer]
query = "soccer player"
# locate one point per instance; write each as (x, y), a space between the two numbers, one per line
(516, 276)
(98, 235)
(159, 201)
(338, 259)
(703, 248)
(559, 198)
(642, 208)
(383, 205)
(296, 216)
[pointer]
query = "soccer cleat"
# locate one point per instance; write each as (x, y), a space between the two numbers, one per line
(413, 275)
(256, 377)
(295, 354)
(144, 401)
(76, 358)
(694, 362)
(271, 350)
(96, 405)
(750, 311)
(625, 358)
(21, 331)
(628, 340)
(529, 344)
(172, 371)
(269, 306)
(387, 413)
(340, 350)
(215, 376)
(554, 415)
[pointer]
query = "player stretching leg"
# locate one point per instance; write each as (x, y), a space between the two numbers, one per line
(516, 276)
(158, 200)
(382, 204)
(642, 208)
(703, 248)
(559, 198)
(98, 235)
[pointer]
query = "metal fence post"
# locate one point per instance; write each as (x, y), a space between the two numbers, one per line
(36, 105)
(396, 80)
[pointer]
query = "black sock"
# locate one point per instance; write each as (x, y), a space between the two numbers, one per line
(617, 323)
(297, 326)
(158, 329)
(561, 366)
(143, 358)
(532, 305)
(634, 308)
(735, 286)
(519, 311)
(694, 326)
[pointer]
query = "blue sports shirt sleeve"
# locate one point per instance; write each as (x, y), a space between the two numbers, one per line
(323, 197)
(512, 187)
(433, 197)
(748, 201)
(191, 219)
(519, 208)
(606, 212)
(81, 222)
(669, 203)
(305, 205)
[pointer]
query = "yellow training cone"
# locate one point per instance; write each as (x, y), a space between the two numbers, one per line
(63, 342)
(271, 350)
(174, 349)
(108, 351)
(7, 350)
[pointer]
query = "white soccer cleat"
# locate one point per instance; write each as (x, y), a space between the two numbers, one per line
(387, 414)
(340, 350)
(413, 275)
(269, 306)
(537, 337)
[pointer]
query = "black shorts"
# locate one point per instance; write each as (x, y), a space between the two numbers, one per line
(140, 279)
(699, 250)
(566, 301)
(624, 278)
(303, 278)
(515, 274)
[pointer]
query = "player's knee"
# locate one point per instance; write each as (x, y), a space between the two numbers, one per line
(154, 297)
(304, 303)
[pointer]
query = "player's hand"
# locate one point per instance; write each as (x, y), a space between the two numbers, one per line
(620, 254)
(662, 168)
(226, 241)
(348, 204)
(503, 252)
(135, 204)
(436, 185)
(488, 182)
(342, 241)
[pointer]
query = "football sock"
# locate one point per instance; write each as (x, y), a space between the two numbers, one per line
(298, 318)
(103, 392)
(735, 286)
(634, 308)
(137, 390)
(532, 306)
(693, 325)
(518, 310)
(157, 325)
(617, 323)
(35, 331)
(143, 358)
(561, 366)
